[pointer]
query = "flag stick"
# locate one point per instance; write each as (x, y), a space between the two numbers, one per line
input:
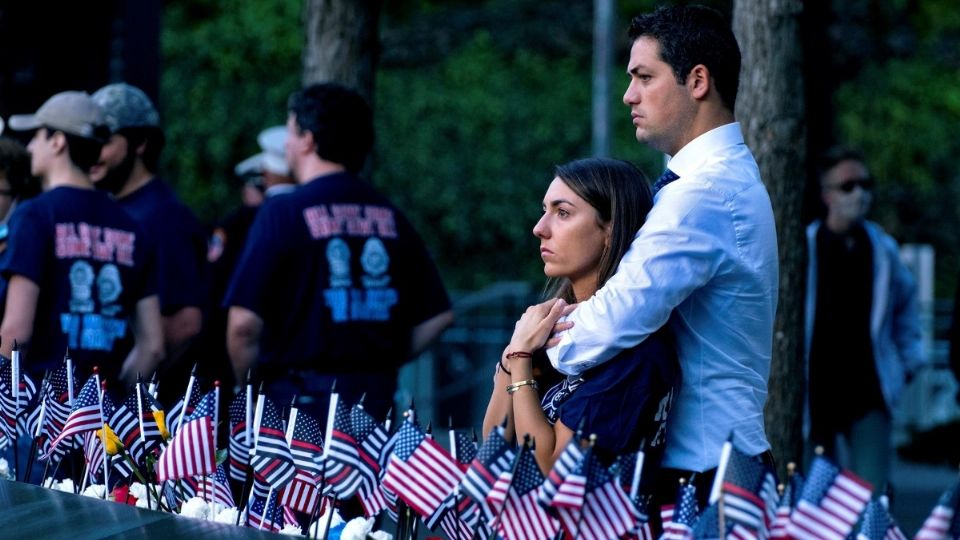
(15, 394)
(266, 510)
(251, 450)
(103, 440)
(186, 397)
(333, 508)
(456, 489)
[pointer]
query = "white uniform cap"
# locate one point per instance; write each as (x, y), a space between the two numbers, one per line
(273, 158)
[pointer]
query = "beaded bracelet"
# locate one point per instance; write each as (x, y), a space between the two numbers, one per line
(511, 388)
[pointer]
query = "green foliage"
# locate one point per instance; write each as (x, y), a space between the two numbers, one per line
(906, 130)
(228, 69)
(467, 148)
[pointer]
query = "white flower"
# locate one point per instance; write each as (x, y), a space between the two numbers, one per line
(196, 508)
(64, 485)
(320, 525)
(291, 530)
(357, 529)
(4, 468)
(95, 490)
(380, 535)
(142, 503)
(227, 515)
(138, 490)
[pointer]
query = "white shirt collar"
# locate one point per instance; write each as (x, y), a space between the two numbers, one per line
(692, 156)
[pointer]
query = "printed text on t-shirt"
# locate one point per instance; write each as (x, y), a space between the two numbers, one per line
(349, 220)
(81, 240)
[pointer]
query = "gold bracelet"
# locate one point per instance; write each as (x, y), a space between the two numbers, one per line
(511, 388)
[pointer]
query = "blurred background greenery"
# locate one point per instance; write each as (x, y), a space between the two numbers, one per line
(476, 101)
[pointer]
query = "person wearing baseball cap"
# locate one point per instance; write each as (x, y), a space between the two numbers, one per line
(127, 168)
(75, 264)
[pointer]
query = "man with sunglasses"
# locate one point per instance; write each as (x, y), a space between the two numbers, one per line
(862, 325)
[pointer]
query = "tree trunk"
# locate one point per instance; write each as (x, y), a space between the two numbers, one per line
(341, 43)
(771, 109)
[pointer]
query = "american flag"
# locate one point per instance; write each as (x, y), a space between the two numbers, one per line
(514, 497)
(191, 452)
(84, 416)
(606, 512)
(791, 493)
(708, 526)
(14, 411)
(178, 410)
(878, 525)
(458, 515)
(306, 445)
(625, 471)
(342, 460)
(125, 423)
(494, 457)
(52, 410)
(271, 456)
(239, 447)
(420, 471)
(92, 455)
(748, 490)
(830, 503)
(302, 493)
(370, 437)
(679, 521)
(566, 483)
(943, 523)
(265, 514)
(215, 485)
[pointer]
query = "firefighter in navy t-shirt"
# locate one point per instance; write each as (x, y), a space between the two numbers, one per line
(333, 283)
(76, 263)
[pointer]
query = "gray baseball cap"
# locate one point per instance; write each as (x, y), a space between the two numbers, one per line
(126, 106)
(70, 112)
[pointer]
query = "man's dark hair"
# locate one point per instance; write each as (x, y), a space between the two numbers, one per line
(84, 152)
(836, 154)
(339, 119)
(151, 135)
(692, 35)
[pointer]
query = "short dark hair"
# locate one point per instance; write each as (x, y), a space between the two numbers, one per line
(621, 195)
(151, 135)
(339, 119)
(84, 152)
(15, 165)
(692, 35)
(836, 154)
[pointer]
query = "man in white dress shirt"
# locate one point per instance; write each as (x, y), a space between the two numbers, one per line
(705, 260)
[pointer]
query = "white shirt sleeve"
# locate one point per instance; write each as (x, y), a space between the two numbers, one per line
(679, 249)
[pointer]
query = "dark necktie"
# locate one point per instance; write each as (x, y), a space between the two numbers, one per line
(665, 178)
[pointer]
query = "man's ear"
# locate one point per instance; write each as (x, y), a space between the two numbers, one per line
(699, 81)
(58, 141)
(141, 149)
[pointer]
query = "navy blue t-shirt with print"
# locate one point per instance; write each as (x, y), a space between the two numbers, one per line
(180, 241)
(89, 260)
(340, 279)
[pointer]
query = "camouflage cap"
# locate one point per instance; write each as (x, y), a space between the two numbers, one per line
(126, 106)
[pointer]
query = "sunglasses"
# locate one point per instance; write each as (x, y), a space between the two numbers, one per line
(847, 186)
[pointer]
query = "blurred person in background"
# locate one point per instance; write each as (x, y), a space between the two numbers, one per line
(127, 169)
(334, 283)
(863, 340)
